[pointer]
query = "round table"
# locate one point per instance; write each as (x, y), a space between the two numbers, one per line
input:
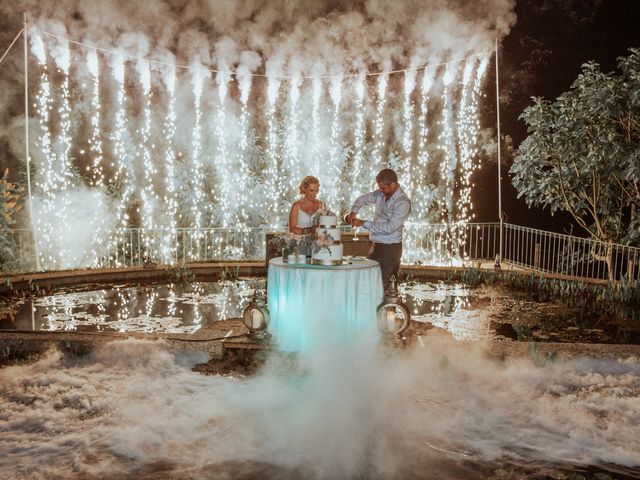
(316, 307)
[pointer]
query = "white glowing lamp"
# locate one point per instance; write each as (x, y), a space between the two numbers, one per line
(393, 315)
(256, 314)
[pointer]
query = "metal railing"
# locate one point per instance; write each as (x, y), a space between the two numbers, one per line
(424, 243)
(134, 246)
(566, 255)
(445, 244)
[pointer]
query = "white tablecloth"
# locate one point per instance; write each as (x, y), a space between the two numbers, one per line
(319, 307)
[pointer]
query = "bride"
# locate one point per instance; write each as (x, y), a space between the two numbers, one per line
(302, 211)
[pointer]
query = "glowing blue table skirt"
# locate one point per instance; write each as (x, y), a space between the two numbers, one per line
(316, 307)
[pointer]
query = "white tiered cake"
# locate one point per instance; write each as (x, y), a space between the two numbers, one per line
(332, 253)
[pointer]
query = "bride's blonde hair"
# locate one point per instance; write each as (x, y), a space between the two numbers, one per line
(306, 181)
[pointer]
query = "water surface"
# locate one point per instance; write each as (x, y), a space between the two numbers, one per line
(478, 313)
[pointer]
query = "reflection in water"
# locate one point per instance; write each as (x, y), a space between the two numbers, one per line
(185, 309)
(467, 313)
(446, 306)
(122, 313)
(148, 309)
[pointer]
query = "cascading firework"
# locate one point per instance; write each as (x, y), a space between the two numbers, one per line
(168, 245)
(218, 178)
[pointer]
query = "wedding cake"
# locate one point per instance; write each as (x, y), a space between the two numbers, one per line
(328, 248)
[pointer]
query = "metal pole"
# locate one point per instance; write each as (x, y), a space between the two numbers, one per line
(26, 138)
(499, 259)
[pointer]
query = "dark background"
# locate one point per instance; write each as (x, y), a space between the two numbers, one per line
(541, 57)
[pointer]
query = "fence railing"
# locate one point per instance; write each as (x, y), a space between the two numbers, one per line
(133, 246)
(424, 243)
(449, 244)
(570, 256)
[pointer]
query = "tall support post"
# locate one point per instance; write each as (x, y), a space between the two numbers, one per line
(500, 217)
(25, 33)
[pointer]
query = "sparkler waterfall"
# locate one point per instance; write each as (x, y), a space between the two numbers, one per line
(274, 187)
(229, 153)
(378, 124)
(357, 165)
(63, 150)
(223, 193)
(335, 161)
(168, 246)
(149, 169)
(196, 167)
(47, 182)
(291, 144)
(71, 210)
(97, 169)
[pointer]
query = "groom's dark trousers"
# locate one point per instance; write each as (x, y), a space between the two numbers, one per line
(388, 255)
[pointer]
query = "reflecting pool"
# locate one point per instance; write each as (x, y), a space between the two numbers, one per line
(466, 313)
(148, 309)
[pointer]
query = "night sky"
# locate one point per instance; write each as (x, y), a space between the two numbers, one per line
(542, 56)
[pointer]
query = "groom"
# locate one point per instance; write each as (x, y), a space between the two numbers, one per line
(392, 207)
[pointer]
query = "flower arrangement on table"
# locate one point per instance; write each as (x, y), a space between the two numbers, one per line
(288, 241)
(291, 241)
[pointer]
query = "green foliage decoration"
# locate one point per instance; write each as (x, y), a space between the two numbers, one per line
(619, 300)
(180, 275)
(10, 205)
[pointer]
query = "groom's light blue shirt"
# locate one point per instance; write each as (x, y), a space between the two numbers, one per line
(387, 225)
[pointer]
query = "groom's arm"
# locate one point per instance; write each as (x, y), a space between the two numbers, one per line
(401, 212)
(366, 199)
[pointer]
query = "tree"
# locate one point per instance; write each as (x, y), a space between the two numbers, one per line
(582, 154)
(9, 207)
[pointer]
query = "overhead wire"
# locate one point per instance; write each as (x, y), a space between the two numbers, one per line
(12, 43)
(263, 75)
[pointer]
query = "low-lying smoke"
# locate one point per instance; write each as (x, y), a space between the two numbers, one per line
(349, 413)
